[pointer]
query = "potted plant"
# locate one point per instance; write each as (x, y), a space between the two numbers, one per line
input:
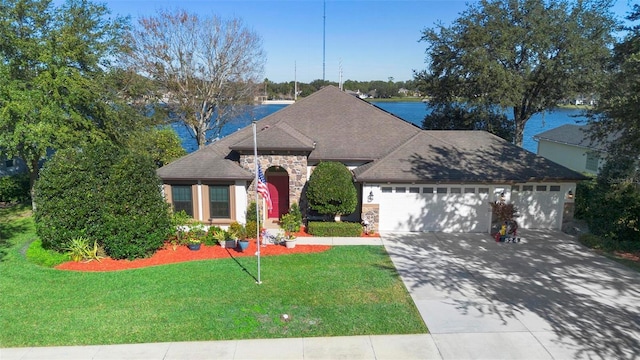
(194, 237)
(239, 233)
(194, 244)
(290, 224)
(221, 236)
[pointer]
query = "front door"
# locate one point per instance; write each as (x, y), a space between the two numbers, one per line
(278, 184)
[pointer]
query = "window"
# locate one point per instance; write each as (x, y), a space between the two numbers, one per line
(541, 188)
(456, 190)
(386, 189)
(219, 204)
(414, 190)
(182, 198)
(401, 189)
(441, 190)
(593, 159)
(554, 188)
(427, 190)
(483, 190)
(515, 188)
(527, 187)
(469, 190)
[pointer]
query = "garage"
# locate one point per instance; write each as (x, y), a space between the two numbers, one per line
(540, 206)
(451, 208)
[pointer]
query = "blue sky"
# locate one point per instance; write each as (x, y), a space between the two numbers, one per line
(368, 39)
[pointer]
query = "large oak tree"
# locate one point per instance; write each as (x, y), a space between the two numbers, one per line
(207, 67)
(522, 55)
(52, 76)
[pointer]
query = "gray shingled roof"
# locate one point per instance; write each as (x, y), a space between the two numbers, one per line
(213, 162)
(343, 126)
(280, 136)
(462, 156)
(571, 134)
(333, 125)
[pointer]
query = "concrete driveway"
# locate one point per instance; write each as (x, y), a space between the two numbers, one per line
(547, 297)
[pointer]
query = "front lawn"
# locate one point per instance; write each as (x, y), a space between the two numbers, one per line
(352, 290)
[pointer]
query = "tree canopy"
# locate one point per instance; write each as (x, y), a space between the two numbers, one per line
(523, 55)
(52, 62)
(616, 113)
(207, 67)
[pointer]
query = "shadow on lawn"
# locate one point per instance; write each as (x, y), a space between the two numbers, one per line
(589, 303)
(242, 267)
(9, 228)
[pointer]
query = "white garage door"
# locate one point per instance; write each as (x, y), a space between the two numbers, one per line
(434, 208)
(539, 205)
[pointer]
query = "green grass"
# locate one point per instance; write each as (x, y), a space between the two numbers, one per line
(344, 291)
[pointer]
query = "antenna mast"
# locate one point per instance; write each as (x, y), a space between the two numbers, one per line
(324, 35)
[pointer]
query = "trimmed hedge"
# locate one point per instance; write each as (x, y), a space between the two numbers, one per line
(105, 194)
(330, 189)
(334, 229)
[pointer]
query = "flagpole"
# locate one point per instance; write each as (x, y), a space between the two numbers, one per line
(255, 183)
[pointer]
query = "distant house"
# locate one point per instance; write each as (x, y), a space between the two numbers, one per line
(408, 179)
(569, 145)
(10, 167)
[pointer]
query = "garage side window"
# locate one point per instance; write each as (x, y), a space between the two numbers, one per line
(182, 198)
(220, 206)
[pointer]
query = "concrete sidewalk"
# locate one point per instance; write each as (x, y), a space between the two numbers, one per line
(392, 347)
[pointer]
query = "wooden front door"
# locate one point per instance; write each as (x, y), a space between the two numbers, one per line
(278, 184)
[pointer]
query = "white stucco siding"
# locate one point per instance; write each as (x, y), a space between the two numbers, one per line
(451, 208)
(241, 201)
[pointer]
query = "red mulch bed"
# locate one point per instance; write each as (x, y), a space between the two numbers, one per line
(169, 256)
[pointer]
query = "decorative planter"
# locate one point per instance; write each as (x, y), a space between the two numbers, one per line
(290, 244)
(243, 244)
(194, 247)
(230, 244)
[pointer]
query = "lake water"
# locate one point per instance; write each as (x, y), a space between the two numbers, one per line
(413, 112)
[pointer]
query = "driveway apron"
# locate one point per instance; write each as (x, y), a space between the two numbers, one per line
(546, 297)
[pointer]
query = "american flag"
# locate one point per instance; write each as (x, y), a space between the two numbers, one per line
(263, 189)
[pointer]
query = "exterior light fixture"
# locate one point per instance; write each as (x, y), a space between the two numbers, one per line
(502, 196)
(570, 194)
(370, 197)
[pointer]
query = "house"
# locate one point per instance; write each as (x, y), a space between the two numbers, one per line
(408, 179)
(569, 145)
(13, 166)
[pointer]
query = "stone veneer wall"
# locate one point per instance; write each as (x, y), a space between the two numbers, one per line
(371, 213)
(294, 164)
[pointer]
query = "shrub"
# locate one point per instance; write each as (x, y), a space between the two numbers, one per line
(14, 188)
(297, 215)
(289, 223)
(210, 237)
(503, 211)
(251, 229)
(251, 212)
(106, 194)
(237, 230)
(330, 189)
(338, 229)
